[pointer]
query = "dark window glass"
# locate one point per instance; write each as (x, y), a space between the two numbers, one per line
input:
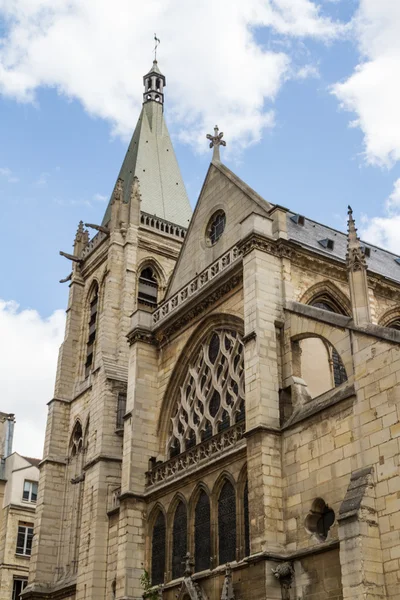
(217, 227)
(24, 540)
(92, 333)
(121, 410)
(179, 541)
(227, 524)
(246, 520)
(158, 551)
(18, 587)
(202, 539)
(339, 372)
(395, 324)
(213, 348)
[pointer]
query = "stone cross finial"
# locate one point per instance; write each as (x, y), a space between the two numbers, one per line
(215, 142)
(189, 564)
(355, 256)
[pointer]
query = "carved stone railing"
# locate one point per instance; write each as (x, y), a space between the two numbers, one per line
(201, 453)
(162, 225)
(93, 243)
(195, 285)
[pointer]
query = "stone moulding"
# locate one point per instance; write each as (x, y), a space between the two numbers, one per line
(195, 457)
(162, 226)
(194, 286)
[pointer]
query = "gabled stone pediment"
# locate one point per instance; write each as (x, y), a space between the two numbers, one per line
(222, 191)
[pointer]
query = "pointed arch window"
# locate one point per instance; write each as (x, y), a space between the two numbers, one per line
(158, 550)
(90, 348)
(246, 520)
(211, 398)
(327, 303)
(179, 540)
(202, 533)
(227, 524)
(148, 288)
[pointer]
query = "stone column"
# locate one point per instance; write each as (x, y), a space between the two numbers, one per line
(140, 444)
(262, 308)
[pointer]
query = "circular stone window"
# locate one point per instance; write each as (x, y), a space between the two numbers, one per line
(320, 519)
(216, 227)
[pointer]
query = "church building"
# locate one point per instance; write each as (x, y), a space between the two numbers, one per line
(225, 421)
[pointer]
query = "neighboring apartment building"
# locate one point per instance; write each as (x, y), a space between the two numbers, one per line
(18, 494)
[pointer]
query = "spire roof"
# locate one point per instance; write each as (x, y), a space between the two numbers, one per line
(355, 256)
(151, 158)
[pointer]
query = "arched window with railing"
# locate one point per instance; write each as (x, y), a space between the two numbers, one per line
(202, 533)
(158, 539)
(227, 524)
(179, 540)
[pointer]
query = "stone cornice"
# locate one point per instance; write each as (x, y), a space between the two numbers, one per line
(139, 334)
(101, 458)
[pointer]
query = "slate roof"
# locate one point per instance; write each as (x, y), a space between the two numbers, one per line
(34, 461)
(308, 235)
(152, 159)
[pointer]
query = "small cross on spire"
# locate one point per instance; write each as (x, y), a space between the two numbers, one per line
(215, 142)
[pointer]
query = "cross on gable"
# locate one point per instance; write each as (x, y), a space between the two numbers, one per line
(215, 142)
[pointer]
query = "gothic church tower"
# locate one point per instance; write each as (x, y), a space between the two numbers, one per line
(125, 265)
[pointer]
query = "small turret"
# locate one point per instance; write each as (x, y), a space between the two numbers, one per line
(357, 274)
(81, 239)
(154, 84)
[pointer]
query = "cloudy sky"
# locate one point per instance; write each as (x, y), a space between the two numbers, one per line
(307, 93)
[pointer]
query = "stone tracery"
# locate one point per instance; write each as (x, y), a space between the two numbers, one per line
(212, 394)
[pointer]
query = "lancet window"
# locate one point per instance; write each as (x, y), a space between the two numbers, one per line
(179, 540)
(158, 550)
(339, 372)
(147, 288)
(92, 330)
(211, 397)
(227, 524)
(246, 520)
(202, 533)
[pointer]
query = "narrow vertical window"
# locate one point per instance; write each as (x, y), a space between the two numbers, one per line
(158, 551)
(92, 331)
(227, 524)
(148, 288)
(19, 584)
(339, 372)
(179, 541)
(24, 539)
(246, 520)
(202, 538)
(121, 409)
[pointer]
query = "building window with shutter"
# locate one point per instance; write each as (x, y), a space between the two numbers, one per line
(147, 288)
(24, 539)
(30, 491)
(227, 524)
(179, 541)
(158, 551)
(93, 307)
(202, 538)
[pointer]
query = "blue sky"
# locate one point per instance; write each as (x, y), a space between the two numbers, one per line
(68, 106)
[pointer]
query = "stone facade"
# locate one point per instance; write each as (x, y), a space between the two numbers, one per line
(309, 469)
(19, 491)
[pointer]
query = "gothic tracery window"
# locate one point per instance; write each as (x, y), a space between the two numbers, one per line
(158, 550)
(212, 394)
(202, 539)
(227, 524)
(216, 227)
(179, 540)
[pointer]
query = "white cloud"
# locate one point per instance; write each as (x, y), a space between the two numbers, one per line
(8, 174)
(100, 198)
(384, 231)
(372, 92)
(216, 71)
(28, 360)
(42, 180)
